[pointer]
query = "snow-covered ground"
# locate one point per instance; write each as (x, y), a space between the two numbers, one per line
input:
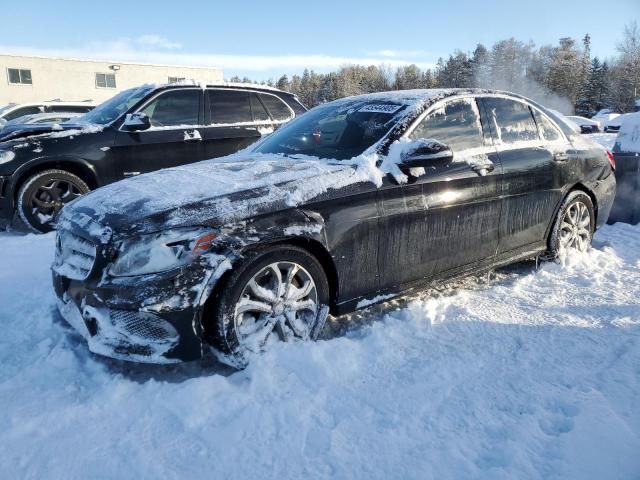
(532, 374)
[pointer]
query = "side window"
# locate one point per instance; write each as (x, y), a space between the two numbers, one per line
(258, 111)
(229, 106)
(457, 125)
(278, 109)
(174, 108)
(549, 131)
(512, 121)
(21, 112)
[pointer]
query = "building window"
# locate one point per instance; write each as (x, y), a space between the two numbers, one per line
(19, 76)
(105, 80)
(176, 79)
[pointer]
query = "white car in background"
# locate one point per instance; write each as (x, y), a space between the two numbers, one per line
(11, 111)
(613, 125)
(586, 125)
(604, 117)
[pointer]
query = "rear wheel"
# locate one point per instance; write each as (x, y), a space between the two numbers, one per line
(278, 294)
(43, 195)
(574, 226)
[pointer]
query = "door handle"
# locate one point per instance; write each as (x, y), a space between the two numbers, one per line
(192, 136)
(131, 174)
(561, 156)
(483, 169)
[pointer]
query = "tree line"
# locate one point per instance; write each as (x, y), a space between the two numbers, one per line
(564, 76)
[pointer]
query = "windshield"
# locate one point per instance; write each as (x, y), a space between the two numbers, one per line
(336, 131)
(111, 110)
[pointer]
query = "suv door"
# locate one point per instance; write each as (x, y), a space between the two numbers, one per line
(235, 120)
(446, 217)
(530, 188)
(175, 136)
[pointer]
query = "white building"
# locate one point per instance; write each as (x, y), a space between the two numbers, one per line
(36, 79)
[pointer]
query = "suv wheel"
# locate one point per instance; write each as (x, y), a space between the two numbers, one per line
(280, 293)
(43, 195)
(574, 226)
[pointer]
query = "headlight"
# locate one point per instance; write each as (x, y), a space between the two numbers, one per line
(160, 252)
(6, 156)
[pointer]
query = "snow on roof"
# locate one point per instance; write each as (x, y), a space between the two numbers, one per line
(221, 83)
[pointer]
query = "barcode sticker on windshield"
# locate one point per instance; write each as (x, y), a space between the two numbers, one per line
(380, 108)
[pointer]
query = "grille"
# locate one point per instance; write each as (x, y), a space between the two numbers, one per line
(144, 325)
(75, 255)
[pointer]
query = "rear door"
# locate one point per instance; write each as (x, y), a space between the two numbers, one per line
(175, 136)
(446, 217)
(235, 120)
(530, 188)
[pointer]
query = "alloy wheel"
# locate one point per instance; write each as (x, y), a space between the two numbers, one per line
(575, 229)
(48, 198)
(280, 298)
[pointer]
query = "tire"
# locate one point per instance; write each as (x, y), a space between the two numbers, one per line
(572, 230)
(227, 326)
(43, 194)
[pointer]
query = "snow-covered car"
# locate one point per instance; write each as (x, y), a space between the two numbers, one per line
(12, 111)
(356, 201)
(138, 130)
(604, 117)
(35, 121)
(613, 125)
(626, 150)
(586, 125)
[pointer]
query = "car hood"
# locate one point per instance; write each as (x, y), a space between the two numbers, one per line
(213, 192)
(41, 132)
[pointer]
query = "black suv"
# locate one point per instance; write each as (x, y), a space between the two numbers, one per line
(137, 131)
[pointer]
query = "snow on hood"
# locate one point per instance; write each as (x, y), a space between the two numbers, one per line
(52, 130)
(216, 192)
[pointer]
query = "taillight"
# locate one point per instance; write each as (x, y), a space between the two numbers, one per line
(612, 159)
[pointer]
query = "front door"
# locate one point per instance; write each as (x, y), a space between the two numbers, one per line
(175, 136)
(446, 216)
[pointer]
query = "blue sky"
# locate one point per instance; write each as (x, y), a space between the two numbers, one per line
(262, 40)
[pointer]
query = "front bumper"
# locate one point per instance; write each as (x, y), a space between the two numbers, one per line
(152, 318)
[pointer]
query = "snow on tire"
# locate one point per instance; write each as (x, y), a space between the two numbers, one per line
(280, 293)
(43, 194)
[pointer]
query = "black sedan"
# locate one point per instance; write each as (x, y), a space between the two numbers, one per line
(357, 200)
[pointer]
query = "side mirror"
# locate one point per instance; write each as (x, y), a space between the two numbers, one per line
(424, 152)
(135, 122)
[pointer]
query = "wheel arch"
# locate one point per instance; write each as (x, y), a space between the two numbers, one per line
(78, 167)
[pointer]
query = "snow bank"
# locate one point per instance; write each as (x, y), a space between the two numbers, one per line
(532, 376)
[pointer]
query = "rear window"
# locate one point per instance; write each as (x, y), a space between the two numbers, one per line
(278, 109)
(229, 106)
(549, 131)
(512, 121)
(258, 110)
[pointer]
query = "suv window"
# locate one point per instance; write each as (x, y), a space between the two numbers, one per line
(511, 120)
(277, 108)
(21, 112)
(549, 131)
(174, 108)
(257, 109)
(456, 125)
(229, 106)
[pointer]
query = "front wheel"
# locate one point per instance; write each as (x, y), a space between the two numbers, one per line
(43, 195)
(574, 226)
(278, 294)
